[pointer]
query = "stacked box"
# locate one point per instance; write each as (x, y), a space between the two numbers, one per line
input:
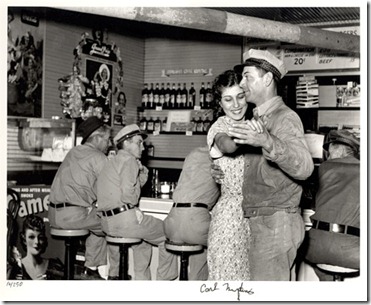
(307, 93)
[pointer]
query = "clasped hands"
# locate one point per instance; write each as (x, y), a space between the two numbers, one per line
(252, 132)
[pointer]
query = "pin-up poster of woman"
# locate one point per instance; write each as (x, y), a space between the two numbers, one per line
(25, 62)
(99, 91)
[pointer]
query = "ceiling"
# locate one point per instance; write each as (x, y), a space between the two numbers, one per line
(305, 16)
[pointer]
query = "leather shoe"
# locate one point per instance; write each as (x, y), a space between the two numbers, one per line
(89, 274)
(113, 278)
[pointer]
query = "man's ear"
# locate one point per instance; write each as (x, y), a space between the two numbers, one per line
(268, 78)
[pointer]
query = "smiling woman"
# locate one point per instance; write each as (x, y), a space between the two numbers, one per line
(33, 266)
(229, 233)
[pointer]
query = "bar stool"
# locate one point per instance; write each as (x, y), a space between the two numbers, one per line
(124, 244)
(339, 273)
(69, 235)
(185, 250)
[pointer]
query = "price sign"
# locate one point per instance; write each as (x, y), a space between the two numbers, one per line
(299, 58)
(302, 58)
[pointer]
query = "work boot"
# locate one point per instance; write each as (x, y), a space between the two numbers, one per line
(90, 275)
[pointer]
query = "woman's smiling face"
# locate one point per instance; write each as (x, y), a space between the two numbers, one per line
(233, 102)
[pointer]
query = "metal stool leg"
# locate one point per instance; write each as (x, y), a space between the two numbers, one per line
(69, 258)
(124, 265)
(183, 266)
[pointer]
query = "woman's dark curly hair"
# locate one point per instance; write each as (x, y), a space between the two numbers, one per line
(224, 80)
(33, 222)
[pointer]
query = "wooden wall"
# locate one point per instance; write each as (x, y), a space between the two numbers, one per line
(62, 34)
(177, 54)
(171, 54)
(63, 37)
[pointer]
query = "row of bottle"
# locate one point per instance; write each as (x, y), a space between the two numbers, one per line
(176, 98)
(156, 125)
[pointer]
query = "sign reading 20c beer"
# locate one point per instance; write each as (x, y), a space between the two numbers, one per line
(304, 58)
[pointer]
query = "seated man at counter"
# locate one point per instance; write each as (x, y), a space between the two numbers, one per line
(118, 190)
(189, 219)
(334, 236)
(73, 193)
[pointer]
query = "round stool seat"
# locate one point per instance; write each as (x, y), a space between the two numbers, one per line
(68, 232)
(336, 269)
(172, 246)
(122, 240)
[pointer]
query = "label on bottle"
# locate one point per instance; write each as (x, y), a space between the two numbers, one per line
(150, 126)
(157, 127)
(151, 150)
(191, 99)
(145, 98)
(150, 97)
(143, 125)
(200, 126)
(156, 99)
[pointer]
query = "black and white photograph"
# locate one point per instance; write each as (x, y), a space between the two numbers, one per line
(183, 152)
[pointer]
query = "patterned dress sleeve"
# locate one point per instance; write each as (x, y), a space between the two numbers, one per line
(220, 126)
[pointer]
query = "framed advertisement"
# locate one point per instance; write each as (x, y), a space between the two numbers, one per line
(25, 62)
(98, 100)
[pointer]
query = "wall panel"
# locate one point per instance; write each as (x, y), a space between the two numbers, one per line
(166, 54)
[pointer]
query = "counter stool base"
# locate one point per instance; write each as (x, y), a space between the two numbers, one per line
(124, 243)
(184, 250)
(69, 235)
(338, 273)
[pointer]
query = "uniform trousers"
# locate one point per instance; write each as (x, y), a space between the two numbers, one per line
(95, 244)
(190, 225)
(275, 240)
(135, 224)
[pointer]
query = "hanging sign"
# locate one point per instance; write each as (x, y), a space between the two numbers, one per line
(101, 50)
(168, 73)
(304, 58)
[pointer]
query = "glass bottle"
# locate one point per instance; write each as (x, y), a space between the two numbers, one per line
(184, 96)
(200, 125)
(209, 96)
(162, 95)
(150, 97)
(167, 95)
(164, 124)
(145, 96)
(179, 97)
(206, 125)
(191, 97)
(194, 124)
(150, 124)
(156, 96)
(143, 123)
(150, 150)
(202, 96)
(157, 125)
(155, 183)
(173, 97)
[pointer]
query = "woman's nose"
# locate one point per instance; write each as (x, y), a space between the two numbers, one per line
(235, 102)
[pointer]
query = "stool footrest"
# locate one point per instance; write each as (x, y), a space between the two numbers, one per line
(122, 240)
(182, 247)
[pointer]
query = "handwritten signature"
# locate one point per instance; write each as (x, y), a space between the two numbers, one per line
(226, 287)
